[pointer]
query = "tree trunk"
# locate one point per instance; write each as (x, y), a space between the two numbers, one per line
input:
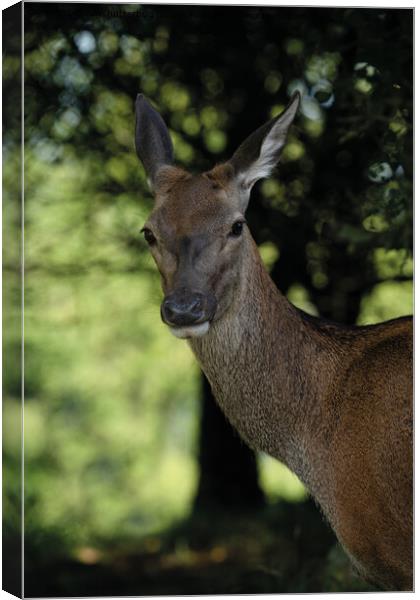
(228, 469)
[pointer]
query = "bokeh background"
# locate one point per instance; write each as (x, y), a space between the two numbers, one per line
(134, 482)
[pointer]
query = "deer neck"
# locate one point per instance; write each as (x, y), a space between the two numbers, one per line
(269, 369)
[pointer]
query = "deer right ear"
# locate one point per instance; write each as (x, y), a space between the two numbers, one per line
(153, 143)
(257, 156)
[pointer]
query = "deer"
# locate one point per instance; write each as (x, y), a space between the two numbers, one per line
(332, 402)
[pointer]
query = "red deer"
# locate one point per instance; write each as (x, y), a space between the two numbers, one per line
(332, 402)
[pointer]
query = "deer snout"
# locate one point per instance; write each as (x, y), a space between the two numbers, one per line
(187, 312)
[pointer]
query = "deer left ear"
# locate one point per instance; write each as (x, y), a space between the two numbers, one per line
(257, 156)
(153, 143)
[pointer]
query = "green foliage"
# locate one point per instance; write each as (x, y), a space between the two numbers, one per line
(105, 432)
(386, 301)
(278, 482)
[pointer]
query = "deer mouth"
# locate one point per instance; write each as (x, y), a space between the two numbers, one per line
(190, 331)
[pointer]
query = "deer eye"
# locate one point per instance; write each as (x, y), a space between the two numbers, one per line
(237, 229)
(148, 236)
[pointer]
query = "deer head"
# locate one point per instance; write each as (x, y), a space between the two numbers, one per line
(197, 232)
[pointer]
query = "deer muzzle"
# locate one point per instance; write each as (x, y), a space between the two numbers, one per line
(187, 313)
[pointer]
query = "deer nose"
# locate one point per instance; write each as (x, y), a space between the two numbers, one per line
(180, 309)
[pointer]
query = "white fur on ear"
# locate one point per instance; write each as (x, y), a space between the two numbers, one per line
(270, 151)
(267, 160)
(265, 147)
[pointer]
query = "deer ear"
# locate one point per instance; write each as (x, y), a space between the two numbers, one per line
(153, 144)
(257, 156)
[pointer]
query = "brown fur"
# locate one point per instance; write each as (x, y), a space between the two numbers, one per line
(221, 176)
(167, 177)
(332, 402)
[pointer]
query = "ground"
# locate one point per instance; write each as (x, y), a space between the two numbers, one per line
(281, 549)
